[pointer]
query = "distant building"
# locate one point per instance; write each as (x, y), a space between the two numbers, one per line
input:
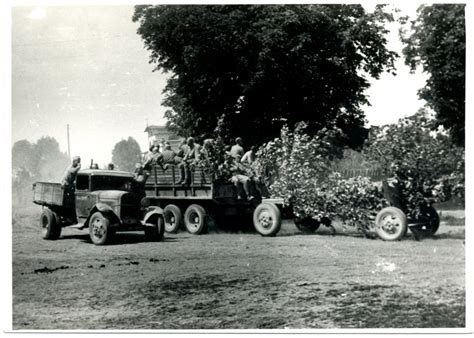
(156, 133)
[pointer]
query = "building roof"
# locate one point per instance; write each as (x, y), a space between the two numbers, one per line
(154, 127)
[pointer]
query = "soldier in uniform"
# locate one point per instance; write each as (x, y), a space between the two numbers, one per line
(69, 179)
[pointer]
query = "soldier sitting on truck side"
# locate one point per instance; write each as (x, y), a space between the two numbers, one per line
(190, 158)
(68, 181)
(166, 157)
(233, 168)
(151, 157)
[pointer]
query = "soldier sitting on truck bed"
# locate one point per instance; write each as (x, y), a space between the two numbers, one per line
(237, 150)
(233, 168)
(166, 157)
(190, 158)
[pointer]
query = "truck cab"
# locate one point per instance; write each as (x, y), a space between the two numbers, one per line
(105, 201)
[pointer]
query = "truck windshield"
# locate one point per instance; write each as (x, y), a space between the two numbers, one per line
(99, 182)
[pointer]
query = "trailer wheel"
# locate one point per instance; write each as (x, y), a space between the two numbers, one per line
(99, 229)
(391, 224)
(173, 218)
(267, 219)
(156, 232)
(307, 225)
(195, 219)
(50, 228)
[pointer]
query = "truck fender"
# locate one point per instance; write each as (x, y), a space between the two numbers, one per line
(151, 213)
(107, 211)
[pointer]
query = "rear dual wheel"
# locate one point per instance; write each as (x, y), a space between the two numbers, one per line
(50, 227)
(173, 218)
(195, 219)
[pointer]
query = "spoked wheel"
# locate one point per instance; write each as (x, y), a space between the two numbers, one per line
(50, 228)
(267, 219)
(391, 224)
(307, 225)
(173, 218)
(99, 229)
(195, 219)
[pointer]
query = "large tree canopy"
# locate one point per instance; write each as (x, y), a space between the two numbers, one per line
(252, 69)
(438, 43)
(126, 153)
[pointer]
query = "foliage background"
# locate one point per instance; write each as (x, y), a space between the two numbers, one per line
(126, 154)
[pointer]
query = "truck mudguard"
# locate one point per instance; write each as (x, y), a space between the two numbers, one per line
(107, 211)
(152, 212)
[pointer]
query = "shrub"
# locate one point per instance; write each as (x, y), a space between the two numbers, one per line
(424, 162)
(298, 169)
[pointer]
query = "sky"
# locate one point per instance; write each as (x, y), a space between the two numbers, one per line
(87, 67)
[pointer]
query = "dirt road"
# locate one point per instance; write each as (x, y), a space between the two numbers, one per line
(235, 280)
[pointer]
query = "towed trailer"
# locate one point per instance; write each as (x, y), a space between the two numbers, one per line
(206, 198)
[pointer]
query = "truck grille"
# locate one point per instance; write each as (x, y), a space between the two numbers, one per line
(130, 207)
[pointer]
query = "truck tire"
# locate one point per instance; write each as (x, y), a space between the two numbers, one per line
(195, 219)
(50, 228)
(99, 229)
(156, 232)
(391, 224)
(267, 219)
(173, 218)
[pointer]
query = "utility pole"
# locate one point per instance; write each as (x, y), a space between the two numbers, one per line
(68, 145)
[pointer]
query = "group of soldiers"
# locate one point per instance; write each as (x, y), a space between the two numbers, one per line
(233, 163)
(230, 163)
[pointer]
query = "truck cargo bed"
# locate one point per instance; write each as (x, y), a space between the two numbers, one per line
(47, 193)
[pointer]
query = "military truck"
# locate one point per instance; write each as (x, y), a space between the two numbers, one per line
(105, 201)
(206, 200)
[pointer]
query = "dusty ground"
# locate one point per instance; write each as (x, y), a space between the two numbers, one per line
(236, 281)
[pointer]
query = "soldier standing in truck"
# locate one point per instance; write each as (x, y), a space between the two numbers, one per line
(67, 183)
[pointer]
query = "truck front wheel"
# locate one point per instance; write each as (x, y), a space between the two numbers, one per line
(156, 232)
(99, 229)
(50, 228)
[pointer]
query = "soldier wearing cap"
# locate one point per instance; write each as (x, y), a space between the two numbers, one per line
(71, 172)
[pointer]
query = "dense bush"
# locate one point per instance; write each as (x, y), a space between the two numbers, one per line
(423, 161)
(298, 168)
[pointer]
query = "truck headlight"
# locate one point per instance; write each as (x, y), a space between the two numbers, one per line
(145, 202)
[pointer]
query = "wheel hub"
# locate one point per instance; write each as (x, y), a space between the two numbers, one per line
(390, 224)
(265, 219)
(98, 228)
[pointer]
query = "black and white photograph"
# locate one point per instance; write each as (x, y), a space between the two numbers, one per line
(235, 167)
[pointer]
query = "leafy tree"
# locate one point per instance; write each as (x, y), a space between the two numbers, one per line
(126, 153)
(40, 161)
(43, 160)
(256, 68)
(22, 153)
(437, 43)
